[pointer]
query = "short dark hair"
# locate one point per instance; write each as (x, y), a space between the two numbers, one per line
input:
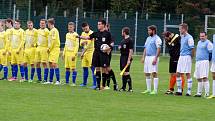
(204, 33)
(17, 21)
(9, 20)
(153, 28)
(51, 21)
(126, 30)
(166, 33)
(184, 26)
(84, 24)
(29, 22)
(103, 22)
(43, 20)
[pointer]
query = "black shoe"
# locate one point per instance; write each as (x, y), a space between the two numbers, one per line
(197, 95)
(169, 92)
(178, 94)
(115, 87)
(3, 78)
(188, 95)
(122, 90)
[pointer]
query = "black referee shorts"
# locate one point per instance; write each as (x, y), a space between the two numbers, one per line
(100, 59)
(173, 65)
(123, 62)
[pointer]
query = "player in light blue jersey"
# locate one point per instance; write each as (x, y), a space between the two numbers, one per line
(204, 48)
(213, 69)
(151, 58)
(185, 60)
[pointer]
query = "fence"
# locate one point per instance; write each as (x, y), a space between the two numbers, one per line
(136, 21)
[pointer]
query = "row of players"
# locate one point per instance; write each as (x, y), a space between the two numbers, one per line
(42, 47)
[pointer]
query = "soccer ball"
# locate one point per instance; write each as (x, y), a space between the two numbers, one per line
(104, 47)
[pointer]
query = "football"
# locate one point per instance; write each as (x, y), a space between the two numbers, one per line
(104, 47)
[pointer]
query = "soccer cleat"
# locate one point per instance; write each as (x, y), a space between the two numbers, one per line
(12, 79)
(57, 83)
(188, 94)
(22, 80)
(197, 95)
(48, 82)
(178, 93)
(146, 92)
(73, 84)
(106, 88)
(153, 93)
(206, 95)
(122, 90)
(211, 97)
(3, 78)
(82, 85)
(130, 90)
(30, 81)
(93, 87)
(169, 92)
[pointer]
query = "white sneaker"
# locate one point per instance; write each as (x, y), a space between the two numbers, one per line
(73, 84)
(106, 88)
(48, 82)
(57, 83)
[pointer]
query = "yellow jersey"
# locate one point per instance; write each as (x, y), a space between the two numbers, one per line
(30, 38)
(9, 38)
(72, 43)
(42, 40)
(89, 46)
(17, 41)
(3, 40)
(53, 39)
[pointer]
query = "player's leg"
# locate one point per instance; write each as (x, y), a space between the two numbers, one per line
(147, 71)
(93, 76)
(213, 85)
(179, 74)
(44, 59)
(32, 73)
(14, 66)
(189, 84)
(84, 64)
(199, 88)
(97, 64)
(51, 73)
(38, 65)
(32, 63)
(74, 71)
(53, 58)
(156, 81)
(206, 85)
(20, 61)
(67, 75)
(5, 66)
(57, 74)
(67, 67)
(26, 62)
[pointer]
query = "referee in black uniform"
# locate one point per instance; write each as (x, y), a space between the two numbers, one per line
(101, 57)
(126, 49)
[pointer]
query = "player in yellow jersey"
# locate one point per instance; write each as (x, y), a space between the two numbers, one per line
(3, 51)
(41, 55)
(9, 25)
(87, 54)
(70, 53)
(54, 52)
(30, 48)
(17, 46)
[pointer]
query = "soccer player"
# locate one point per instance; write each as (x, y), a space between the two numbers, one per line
(9, 25)
(30, 48)
(173, 45)
(126, 49)
(70, 53)
(54, 52)
(42, 51)
(101, 55)
(87, 54)
(203, 49)
(185, 59)
(110, 70)
(151, 59)
(3, 51)
(17, 48)
(213, 69)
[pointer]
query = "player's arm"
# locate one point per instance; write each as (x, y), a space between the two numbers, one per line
(210, 49)
(131, 47)
(158, 46)
(34, 44)
(76, 46)
(144, 52)
(191, 45)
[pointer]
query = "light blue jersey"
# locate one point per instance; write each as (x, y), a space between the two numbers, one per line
(213, 52)
(204, 47)
(151, 45)
(187, 44)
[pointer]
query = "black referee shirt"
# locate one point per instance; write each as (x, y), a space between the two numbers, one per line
(174, 48)
(126, 45)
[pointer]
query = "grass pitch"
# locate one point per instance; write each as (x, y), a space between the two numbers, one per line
(36, 102)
